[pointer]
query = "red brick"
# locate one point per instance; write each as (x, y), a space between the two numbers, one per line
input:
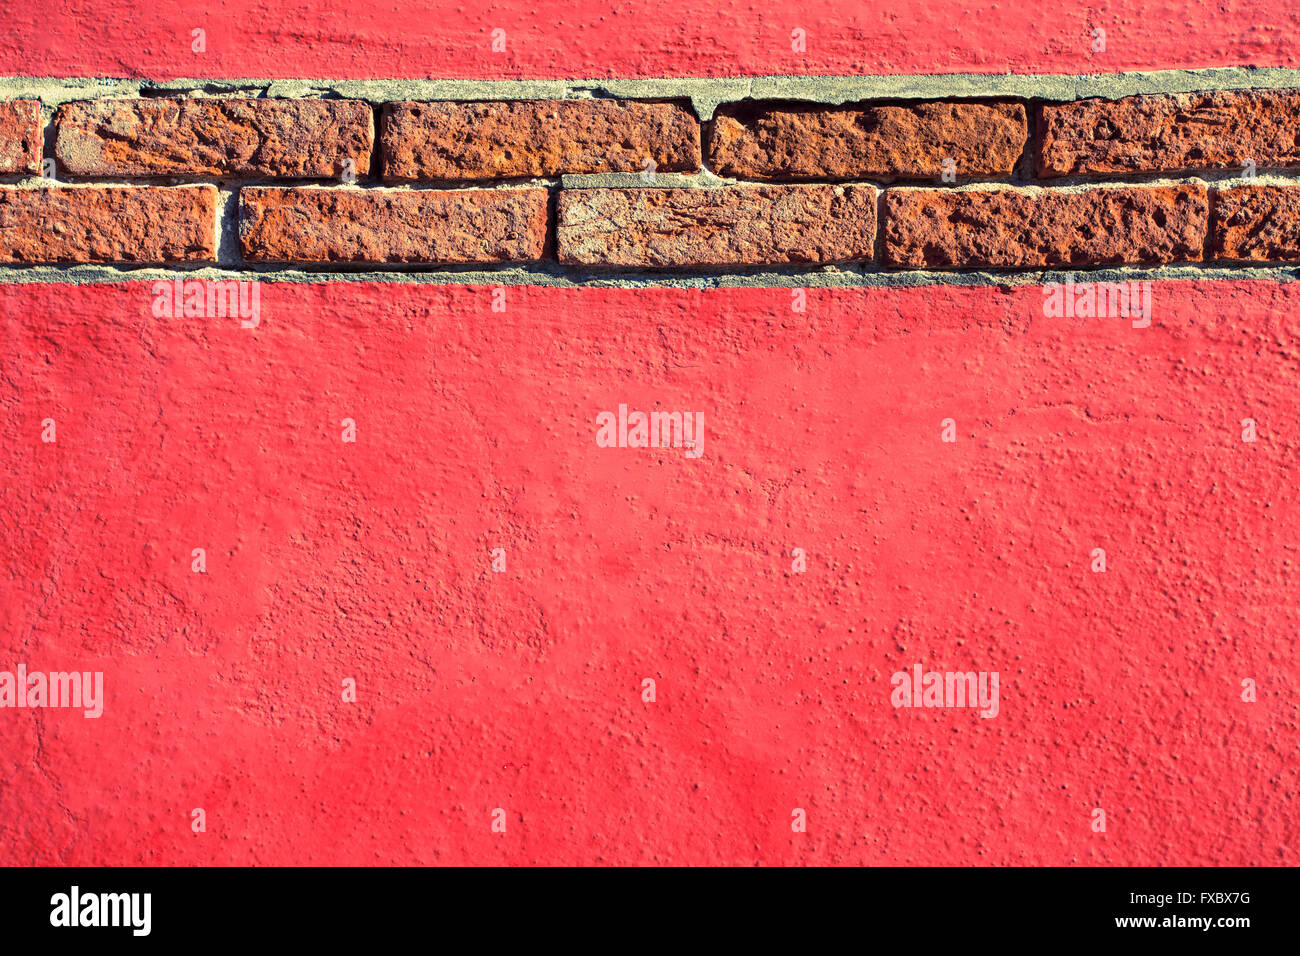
(145, 224)
(393, 225)
(503, 140)
(1011, 227)
(305, 139)
(738, 225)
(1257, 223)
(20, 136)
(1171, 132)
(884, 142)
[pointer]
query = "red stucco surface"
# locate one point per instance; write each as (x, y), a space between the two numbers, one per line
(522, 689)
(557, 39)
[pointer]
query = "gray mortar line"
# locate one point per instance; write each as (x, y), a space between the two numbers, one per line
(551, 276)
(227, 245)
(705, 94)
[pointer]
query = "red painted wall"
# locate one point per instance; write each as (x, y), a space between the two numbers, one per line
(557, 39)
(522, 689)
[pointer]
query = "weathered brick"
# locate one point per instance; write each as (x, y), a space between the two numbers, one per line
(20, 136)
(1257, 223)
(146, 224)
(301, 139)
(884, 142)
(1011, 227)
(503, 140)
(393, 225)
(1221, 129)
(737, 225)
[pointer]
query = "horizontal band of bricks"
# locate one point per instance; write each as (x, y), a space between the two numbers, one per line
(959, 184)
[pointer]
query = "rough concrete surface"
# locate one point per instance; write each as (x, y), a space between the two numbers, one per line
(522, 689)
(547, 39)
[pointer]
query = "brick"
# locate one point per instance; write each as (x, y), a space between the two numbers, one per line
(1011, 227)
(882, 142)
(1257, 223)
(738, 225)
(20, 136)
(246, 138)
(477, 141)
(144, 224)
(1171, 132)
(393, 225)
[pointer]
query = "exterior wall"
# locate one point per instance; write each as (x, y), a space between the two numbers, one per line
(923, 416)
